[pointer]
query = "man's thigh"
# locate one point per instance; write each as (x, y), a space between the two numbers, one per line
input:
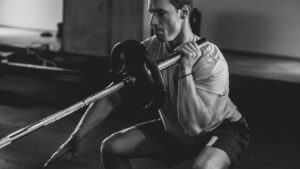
(133, 143)
(211, 157)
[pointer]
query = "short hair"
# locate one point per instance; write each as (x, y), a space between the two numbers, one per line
(179, 4)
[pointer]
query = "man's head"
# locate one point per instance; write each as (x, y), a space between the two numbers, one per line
(178, 4)
(168, 17)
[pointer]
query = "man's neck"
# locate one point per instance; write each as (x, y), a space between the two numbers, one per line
(184, 36)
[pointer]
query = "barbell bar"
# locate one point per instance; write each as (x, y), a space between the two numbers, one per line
(162, 64)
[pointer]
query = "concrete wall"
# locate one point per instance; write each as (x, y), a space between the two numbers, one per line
(263, 26)
(146, 27)
(31, 14)
(93, 27)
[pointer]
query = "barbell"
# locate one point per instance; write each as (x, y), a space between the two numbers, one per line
(133, 72)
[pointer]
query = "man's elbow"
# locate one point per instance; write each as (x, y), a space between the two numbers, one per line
(196, 129)
(193, 131)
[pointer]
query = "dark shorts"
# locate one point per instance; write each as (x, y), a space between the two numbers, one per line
(232, 137)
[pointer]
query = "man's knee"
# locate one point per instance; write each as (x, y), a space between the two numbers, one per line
(112, 145)
(205, 165)
(209, 164)
(212, 158)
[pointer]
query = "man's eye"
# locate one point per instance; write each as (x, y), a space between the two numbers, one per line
(161, 13)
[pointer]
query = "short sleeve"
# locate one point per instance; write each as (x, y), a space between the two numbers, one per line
(211, 71)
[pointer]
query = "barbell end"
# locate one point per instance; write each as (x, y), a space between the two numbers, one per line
(5, 142)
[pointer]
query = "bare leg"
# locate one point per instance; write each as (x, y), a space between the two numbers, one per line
(117, 149)
(212, 158)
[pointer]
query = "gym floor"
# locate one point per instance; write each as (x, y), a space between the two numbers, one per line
(270, 107)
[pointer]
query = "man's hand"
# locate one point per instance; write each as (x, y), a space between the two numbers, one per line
(71, 145)
(190, 53)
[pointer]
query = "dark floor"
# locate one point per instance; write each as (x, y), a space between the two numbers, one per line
(271, 108)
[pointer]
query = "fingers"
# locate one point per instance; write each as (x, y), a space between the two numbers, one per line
(189, 49)
(187, 52)
(194, 49)
(190, 52)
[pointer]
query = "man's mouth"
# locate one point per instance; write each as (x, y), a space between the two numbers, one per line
(158, 31)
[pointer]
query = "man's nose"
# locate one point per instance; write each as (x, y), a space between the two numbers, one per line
(153, 20)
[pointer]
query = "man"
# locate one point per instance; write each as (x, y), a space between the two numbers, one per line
(197, 120)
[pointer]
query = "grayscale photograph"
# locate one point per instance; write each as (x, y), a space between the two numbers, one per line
(149, 84)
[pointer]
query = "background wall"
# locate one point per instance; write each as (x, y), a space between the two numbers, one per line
(262, 26)
(146, 21)
(31, 14)
(93, 27)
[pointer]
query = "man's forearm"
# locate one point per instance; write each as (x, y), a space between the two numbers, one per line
(192, 112)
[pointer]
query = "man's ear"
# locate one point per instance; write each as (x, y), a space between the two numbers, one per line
(185, 11)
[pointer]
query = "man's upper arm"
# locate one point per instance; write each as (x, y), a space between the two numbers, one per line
(211, 73)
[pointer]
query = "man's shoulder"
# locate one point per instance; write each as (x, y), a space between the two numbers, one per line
(211, 54)
(212, 61)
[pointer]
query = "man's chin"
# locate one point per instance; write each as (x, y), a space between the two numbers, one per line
(160, 38)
